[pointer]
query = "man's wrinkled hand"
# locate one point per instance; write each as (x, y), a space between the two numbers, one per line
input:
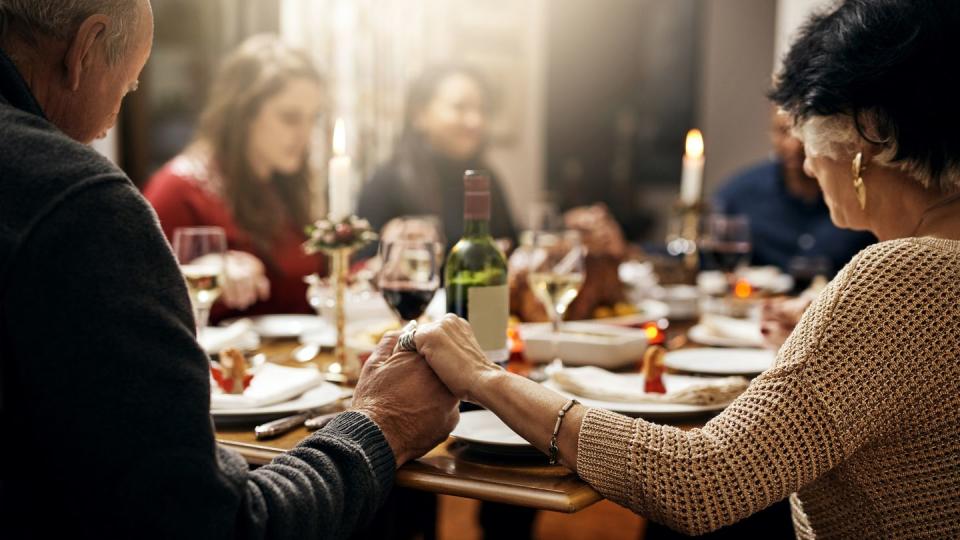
(412, 407)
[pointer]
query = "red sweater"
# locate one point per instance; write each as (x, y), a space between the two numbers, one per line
(185, 194)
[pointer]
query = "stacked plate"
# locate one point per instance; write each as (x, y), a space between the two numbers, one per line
(484, 432)
(287, 326)
(321, 396)
(723, 331)
(716, 361)
(652, 410)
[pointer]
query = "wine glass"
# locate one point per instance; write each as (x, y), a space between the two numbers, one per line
(201, 252)
(555, 275)
(725, 244)
(409, 276)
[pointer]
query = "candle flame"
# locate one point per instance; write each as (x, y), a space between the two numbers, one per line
(694, 143)
(339, 138)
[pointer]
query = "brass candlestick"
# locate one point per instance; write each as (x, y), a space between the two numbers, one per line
(683, 239)
(338, 241)
(342, 367)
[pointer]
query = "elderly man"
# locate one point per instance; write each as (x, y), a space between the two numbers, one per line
(789, 221)
(105, 391)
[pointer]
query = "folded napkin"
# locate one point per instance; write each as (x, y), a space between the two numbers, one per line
(745, 330)
(595, 383)
(272, 384)
(239, 334)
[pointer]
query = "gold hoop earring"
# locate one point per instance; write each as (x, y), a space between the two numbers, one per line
(857, 168)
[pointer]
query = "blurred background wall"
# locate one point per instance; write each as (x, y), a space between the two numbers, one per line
(594, 97)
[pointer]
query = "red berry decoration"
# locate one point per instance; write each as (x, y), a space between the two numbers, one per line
(344, 232)
(351, 233)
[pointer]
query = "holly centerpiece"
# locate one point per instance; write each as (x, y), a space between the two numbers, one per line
(327, 235)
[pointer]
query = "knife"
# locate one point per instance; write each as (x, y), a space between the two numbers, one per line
(276, 428)
(280, 426)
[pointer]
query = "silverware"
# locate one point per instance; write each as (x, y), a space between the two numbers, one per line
(281, 426)
(305, 353)
(287, 424)
(318, 422)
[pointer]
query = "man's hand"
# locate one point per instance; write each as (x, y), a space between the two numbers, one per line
(400, 392)
(454, 354)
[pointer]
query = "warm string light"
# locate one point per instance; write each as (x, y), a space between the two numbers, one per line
(655, 334)
(742, 289)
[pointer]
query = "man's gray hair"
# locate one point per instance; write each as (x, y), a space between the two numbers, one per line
(60, 19)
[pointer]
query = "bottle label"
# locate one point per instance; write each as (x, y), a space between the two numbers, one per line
(488, 310)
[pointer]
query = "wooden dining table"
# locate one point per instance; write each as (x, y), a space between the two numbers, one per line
(452, 468)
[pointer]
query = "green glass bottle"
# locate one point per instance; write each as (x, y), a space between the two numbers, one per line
(476, 272)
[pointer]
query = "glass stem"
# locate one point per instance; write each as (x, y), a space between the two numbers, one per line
(201, 316)
(555, 339)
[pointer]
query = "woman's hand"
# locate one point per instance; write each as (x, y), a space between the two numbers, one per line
(454, 354)
(246, 281)
(780, 316)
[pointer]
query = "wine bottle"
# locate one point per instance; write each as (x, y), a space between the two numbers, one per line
(476, 272)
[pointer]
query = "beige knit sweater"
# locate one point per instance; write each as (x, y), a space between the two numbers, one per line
(859, 418)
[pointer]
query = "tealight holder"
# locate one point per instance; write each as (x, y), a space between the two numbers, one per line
(338, 240)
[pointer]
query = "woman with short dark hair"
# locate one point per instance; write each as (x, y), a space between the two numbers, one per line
(445, 132)
(858, 419)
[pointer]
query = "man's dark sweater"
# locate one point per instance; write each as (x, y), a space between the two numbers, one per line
(105, 392)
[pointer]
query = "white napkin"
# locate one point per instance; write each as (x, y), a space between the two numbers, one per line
(271, 384)
(767, 277)
(745, 330)
(239, 334)
(595, 383)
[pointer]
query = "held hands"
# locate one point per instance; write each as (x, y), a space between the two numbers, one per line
(400, 392)
(451, 349)
(246, 281)
(779, 317)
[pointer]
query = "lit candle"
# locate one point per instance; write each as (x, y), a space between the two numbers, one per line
(692, 180)
(339, 176)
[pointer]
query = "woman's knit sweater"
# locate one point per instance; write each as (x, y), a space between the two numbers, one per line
(859, 419)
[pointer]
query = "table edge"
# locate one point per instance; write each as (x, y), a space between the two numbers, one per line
(579, 499)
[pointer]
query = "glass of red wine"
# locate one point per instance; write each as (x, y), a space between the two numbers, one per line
(409, 276)
(725, 243)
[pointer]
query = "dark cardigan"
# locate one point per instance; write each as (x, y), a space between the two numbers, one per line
(105, 392)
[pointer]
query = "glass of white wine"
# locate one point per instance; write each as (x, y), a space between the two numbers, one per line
(201, 252)
(556, 273)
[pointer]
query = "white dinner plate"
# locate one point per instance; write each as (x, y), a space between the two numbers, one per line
(704, 336)
(647, 310)
(359, 334)
(286, 326)
(323, 395)
(721, 361)
(483, 431)
(649, 410)
(766, 278)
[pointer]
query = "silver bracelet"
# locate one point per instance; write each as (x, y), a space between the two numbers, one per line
(554, 449)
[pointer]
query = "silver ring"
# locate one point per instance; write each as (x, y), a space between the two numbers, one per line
(407, 341)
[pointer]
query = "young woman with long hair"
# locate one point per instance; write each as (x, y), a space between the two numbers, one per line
(248, 171)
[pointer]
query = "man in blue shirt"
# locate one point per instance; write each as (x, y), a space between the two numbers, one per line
(789, 222)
